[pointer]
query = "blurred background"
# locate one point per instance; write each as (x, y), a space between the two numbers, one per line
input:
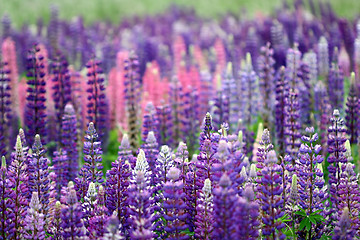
(28, 11)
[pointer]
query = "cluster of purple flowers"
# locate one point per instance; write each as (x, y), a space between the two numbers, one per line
(186, 97)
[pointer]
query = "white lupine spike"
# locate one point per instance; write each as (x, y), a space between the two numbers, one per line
(150, 137)
(243, 173)
(91, 190)
(323, 52)
(35, 202)
(125, 141)
(252, 172)
(141, 163)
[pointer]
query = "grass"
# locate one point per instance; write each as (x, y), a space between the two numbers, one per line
(26, 11)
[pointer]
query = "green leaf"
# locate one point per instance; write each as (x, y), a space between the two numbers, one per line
(317, 211)
(301, 213)
(312, 219)
(318, 218)
(303, 223)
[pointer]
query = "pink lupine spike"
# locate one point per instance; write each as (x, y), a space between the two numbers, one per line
(9, 56)
(22, 86)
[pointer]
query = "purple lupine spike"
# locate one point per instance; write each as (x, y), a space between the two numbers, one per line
(347, 34)
(60, 167)
(349, 195)
(150, 122)
(250, 91)
(151, 153)
(97, 107)
(132, 97)
(279, 41)
(282, 91)
(117, 183)
(112, 229)
(292, 126)
(266, 81)
(175, 99)
(71, 215)
(352, 112)
(125, 152)
(220, 109)
(98, 222)
(18, 191)
(322, 108)
(247, 213)
(39, 179)
(224, 161)
(53, 29)
(305, 95)
(208, 147)
(4, 204)
(140, 200)
(69, 141)
(5, 109)
(61, 91)
(204, 213)
(34, 220)
(336, 150)
(229, 89)
(35, 110)
(175, 206)
(191, 191)
(311, 182)
(343, 229)
(310, 59)
(336, 85)
(181, 160)
(323, 57)
(293, 64)
(92, 168)
(271, 201)
(163, 163)
(189, 118)
(56, 229)
(224, 209)
(164, 115)
(6, 26)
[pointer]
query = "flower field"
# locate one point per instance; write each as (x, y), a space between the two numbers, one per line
(179, 126)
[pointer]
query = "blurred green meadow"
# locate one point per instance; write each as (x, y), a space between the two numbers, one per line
(28, 11)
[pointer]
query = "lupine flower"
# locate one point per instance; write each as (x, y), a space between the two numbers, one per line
(69, 141)
(343, 229)
(305, 94)
(150, 122)
(174, 204)
(35, 111)
(175, 100)
(97, 107)
(336, 85)
(349, 195)
(117, 183)
(132, 97)
(204, 217)
(224, 210)
(98, 222)
(352, 112)
(56, 229)
(311, 182)
(17, 201)
(91, 170)
(112, 229)
(266, 81)
(250, 92)
(323, 57)
(247, 214)
(151, 153)
(125, 152)
(71, 215)
(34, 220)
(88, 206)
(280, 108)
(220, 109)
(39, 180)
(61, 167)
(292, 125)
(61, 91)
(4, 194)
(140, 200)
(5, 108)
(336, 149)
(163, 164)
(164, 115)
(270, 199)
